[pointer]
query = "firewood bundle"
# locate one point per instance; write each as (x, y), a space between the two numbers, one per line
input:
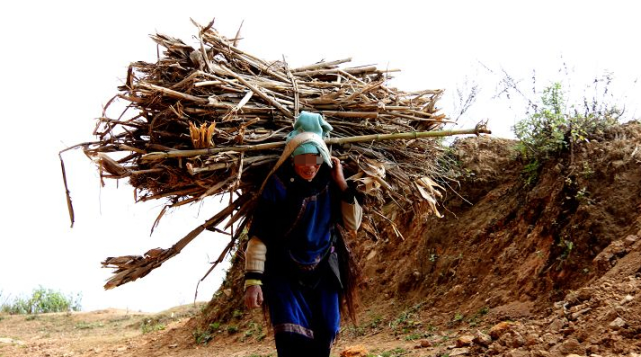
(211, 119)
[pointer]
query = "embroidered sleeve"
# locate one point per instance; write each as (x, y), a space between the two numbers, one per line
(255, 255)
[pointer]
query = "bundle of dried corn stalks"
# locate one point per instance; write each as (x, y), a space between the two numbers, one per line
(210, 120)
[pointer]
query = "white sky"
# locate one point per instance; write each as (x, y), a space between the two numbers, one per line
(62, 60)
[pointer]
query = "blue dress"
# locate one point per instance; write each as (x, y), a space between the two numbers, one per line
(296, 220)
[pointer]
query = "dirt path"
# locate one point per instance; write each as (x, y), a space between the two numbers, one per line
(122, 333)
(600, 320)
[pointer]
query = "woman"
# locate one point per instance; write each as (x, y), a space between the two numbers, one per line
(292, 256)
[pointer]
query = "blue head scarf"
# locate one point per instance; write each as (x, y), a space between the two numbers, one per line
(311, 122)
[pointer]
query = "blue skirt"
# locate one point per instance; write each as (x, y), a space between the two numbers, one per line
(308, 310)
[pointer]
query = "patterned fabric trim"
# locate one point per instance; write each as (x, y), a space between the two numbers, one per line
(294, 328)
(314, 265)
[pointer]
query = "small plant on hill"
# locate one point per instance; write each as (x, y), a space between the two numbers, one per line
(474, 319)
(567, 246)
(543, 132)
(354, 331)
(152, 324)
(237, 314)
(558, 117)
(396, 352)
(554, 126)
(376, 321)
(255, 331)
(202, 336)
(407, 321)
(43, 300)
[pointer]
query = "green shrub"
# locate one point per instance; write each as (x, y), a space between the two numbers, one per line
(150, 326)
(43, 300)
(202, 336)
(544, 131)
(554, 126)
(397, 352)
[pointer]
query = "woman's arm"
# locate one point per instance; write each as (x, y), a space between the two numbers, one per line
(255, 255)
(351, 210)
(352, 215)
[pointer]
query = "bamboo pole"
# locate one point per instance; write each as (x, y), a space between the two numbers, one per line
(343, 114)
(354, 139)
(407, 136)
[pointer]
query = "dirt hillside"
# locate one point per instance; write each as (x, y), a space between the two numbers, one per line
(525, 262)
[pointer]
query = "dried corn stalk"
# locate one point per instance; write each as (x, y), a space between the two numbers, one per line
(210, 119)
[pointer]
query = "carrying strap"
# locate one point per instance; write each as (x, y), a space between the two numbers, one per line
(289, 149)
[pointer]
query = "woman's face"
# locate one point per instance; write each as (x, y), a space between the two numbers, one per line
(307, 165)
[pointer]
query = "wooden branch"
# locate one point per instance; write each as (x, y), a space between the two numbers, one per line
(130, 267)
(67, 193)
(355, 139)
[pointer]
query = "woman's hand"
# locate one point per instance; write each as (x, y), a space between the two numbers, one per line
(253, 296)
(337, 173)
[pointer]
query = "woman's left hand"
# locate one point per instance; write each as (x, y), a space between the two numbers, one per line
(337, 173)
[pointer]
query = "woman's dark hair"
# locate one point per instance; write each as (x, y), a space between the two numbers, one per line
(349, 275)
